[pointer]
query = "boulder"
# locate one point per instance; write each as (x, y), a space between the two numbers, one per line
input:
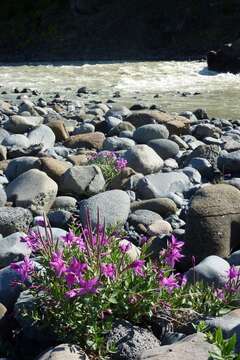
(175, 124)
(113, 207)
(145, 217)
(143, 159)
(212, 271)
(145, 133)
(13, 220)
(13, 249)
(33, 190)
(164, 148)
(115, 143)
(64, 203)
(17, 141)
(213, 222)
(20, 165)
(192, 347)
(131, 340)
(20, 124)
(162, 184)
(89, 141)
(42, 135)
(64, 352)
(59, 129)
(229, 161)
(82, 180)
(162, 206)
(54, 168)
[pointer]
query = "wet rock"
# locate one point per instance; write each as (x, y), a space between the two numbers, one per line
(162, 184)
(13, 220)
(82, 180)
(143, 159)
(42, 135)
(213, 222)
(164, 148)
(212, 271)
(190, 348)
(89, 141)
(113, 207)
(131, 340)
(33, 190)
(145, 133)
(20, 165)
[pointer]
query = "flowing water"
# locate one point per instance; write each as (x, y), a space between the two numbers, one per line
(175, 86)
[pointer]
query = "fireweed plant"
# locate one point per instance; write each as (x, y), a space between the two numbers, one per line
(89, 280)
(110, 164)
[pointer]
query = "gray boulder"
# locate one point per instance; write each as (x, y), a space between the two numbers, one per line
(143, 159)
(113, 207)
(42, 135)
(64, 203)
(164, 148)
(192, 347)
(145, 133)
(8, 293)
(13, 249)
(162, 184)
(16, 140)
(13, 220)
(212, 271)
(64, 352)
(229, 324)
(229, 161)
(145, 217)
(131, 341)
(82, 180)
(117, 143)
(33, 190)
(20, 165)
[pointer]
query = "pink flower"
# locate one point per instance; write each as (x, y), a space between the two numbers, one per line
(57, 264)
(137, 267)
(219, 293)
(170, 283)
(70, 238)
(24, 268)
(32, 240)
(120, 164)
(75, 271)
(233, 273)
(173, 253)
(125, 246)
(108, 270)
(87, 287)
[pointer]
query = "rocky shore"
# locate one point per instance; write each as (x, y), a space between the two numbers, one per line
(181, 177)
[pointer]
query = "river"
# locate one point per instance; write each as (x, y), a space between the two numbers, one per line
(175, 86)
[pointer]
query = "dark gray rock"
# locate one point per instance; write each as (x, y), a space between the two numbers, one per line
(164, 148)
(229, 161)
(131, 340)
(145, 133)
(20, 165)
